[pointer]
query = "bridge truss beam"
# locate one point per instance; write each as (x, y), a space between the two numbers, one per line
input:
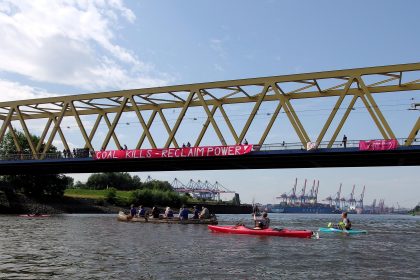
(212, 97)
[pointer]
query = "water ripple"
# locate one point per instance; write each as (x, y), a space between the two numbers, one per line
(99, 247)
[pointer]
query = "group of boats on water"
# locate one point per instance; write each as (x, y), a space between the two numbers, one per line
(164, 220)
(239, 228)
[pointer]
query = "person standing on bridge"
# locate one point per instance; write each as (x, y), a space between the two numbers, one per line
(344, 141)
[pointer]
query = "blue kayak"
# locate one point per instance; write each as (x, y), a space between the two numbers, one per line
(336, 230)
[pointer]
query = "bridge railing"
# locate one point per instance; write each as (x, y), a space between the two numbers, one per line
(48, 156)
(264, 147)
(324, 145)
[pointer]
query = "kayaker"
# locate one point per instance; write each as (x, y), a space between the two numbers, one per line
(142, 211)
(255, 210)
(345, 222)
(204, 214)
(183, 213)
(133, 211)
(155, 212)
(196, 213)
(263, 222)
(169, 213)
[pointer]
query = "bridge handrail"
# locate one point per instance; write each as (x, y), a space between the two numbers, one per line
(264, 147)
(323, 145)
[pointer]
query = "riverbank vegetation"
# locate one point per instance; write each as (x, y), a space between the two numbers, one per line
(113, 188)
(122, 189)
(44, 187)
(146, 197)
(416, 210)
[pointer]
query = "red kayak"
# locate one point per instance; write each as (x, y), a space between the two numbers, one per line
(266, 232)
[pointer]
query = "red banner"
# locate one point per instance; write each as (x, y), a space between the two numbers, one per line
(378, 145)
(211, 151)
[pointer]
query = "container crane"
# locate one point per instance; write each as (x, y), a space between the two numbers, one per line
(374, 206)
(338, 198)
(352, 200)
(283, 198)
(360, 201)
(302, 197)
(178, 186)
(316, 192)
(292, 196)
(381, 206)
(311, 196)
(329, 200)
(200, 189)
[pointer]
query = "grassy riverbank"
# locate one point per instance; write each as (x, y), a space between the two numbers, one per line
(147, 197)
(124, 198)
(95, 194)
(17, 203)
(97, 201)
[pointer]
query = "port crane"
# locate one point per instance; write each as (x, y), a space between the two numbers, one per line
(293, 196)
(313, 194)
(360, 201)
(352, 201)
(200, 189)
(337, 200)
(340, 202)
(303, 198)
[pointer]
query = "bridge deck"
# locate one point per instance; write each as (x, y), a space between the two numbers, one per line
(297, 158)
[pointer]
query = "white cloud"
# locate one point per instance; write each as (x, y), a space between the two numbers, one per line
(15, 91)
(71, 42)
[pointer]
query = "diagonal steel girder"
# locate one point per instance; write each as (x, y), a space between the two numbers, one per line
(413, 133)
(235, 92)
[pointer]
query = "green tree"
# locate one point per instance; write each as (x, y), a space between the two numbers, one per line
(118, 180)
(8, 146)
(52, 185)
(111, 195)
(157, 185)
(79, 185)
(152, 197)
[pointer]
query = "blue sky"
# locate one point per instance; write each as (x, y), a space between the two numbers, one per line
(92, 46)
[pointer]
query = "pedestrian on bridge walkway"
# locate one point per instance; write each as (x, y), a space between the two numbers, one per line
(344, 141)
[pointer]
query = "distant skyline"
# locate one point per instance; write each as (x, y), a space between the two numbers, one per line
(94, 46)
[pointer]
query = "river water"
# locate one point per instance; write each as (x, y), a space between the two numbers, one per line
(100, 247)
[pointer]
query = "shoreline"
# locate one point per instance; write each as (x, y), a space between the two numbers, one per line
(21, 204)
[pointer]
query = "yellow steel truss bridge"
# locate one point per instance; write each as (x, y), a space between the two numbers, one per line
(213, 98)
